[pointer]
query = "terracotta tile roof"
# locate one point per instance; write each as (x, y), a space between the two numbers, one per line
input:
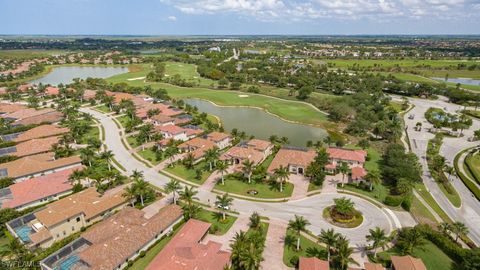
(217, 136)
(312, 264)
(52, 91)
(28, 112)
(51, 117)
(36, 164)
(40, 236)
(164, 109)
(346, 154)
(170, 129)
(37, 188)
(184, 252)
(243, 153)
(24, 87)
(41, 132)
(259, 144)
(89, 94)
(162, 118)
(407, 263)
(330, 166)
(89, 202)
(196, 143)
(193, 131)
(35, 146)
(117, 238)
(358, 173)
(122, 96)
(10, 108)
(3, 90)
(373, 266)
(286, 157)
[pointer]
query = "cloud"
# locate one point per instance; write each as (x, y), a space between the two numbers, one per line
(172, 18)
(304, 10)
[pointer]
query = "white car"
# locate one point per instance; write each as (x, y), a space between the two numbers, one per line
(222, 207)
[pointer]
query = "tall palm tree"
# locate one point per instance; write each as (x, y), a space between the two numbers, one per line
(248, 169)
(343, 257)
(378, 238)
(170, 152)
(409, 239)
(188, 195)
(189, 161)
(458, 228)
(344, 170)
(107, 155)
(281, 174)
(136, 174)
(75, 177)
(223, 202)
(222, 168)
(254, 220)
(141, 188)
(173, 186)
(211, 156)
(329, 238)
(373, 177)
(344, 206)
(450, 170)
(87, 155)
(445, 228)
(298, 224)
(130, 193)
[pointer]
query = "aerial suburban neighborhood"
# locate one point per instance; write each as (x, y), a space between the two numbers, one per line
(240, 135)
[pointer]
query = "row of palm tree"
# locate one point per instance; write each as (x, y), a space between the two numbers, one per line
(138, 189)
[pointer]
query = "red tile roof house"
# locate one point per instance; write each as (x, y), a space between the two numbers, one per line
(52, 91)
(6, 108)
(254, 150)
(407, 263)
(197, 146)
(296, 160)
(355, 160)
(30, 147)
(42, 131)
(369, 266)
(89, 94)
(222, 140)
(173, 132)
(312, 264)
(36, 165)
(162, 120)
(186, 252)
(38, 190)
(47, 118)
(110, 244)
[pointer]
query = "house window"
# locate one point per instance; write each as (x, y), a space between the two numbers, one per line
(78, 219)
(64, 233)
(73, 228)
(58, 235)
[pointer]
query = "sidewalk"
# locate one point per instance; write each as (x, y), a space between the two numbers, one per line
(241, 224)
(273, 253)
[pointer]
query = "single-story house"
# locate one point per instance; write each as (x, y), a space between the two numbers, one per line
(162, 120)
(42, 131)
(312, 263)
(30, 147)
(407, 263)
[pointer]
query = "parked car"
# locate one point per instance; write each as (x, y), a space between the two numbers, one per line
(411, 116)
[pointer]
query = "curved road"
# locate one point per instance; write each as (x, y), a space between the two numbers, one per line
(469, 211)
(309, 207)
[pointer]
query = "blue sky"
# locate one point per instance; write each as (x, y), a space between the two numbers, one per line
(239, 17)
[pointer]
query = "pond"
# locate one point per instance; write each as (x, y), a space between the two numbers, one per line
(259, 123)
(66, 75)
(466, 81)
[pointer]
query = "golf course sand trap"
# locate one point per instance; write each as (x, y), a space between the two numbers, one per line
(243, 95)
(136, 79)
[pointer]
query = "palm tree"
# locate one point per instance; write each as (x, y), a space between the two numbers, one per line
(378, 238)
(281, 174)
(190, 211)
(344, 206)
(298, 224)
(223, 202)
(136, 174)
(409, 239)
(107, 155)
(75, 177)
(273, 139)
(445, 228)
(329, 238)
(248, 169)
(87, 155)
(450, 170)
(141, 188)
(189, 161)
(170, 152)
(373, 177)
(130, 193)
(222, 168)
(458, 228)
(173, 186)
(211, 156)
(344, 170)
(254, 220)
(343, 256)
(188, 195)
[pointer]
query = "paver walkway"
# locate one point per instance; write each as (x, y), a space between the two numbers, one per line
(273, 252)
(300, 186)
(212, 180)
(330, 183)
(153, 208)
(241, 224)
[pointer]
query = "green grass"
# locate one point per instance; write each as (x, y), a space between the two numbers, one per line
(123, 120)
(474, 74)
(475, 114)
(345, 63)
(216, 220)
(264, 190)
(149, 155)
(466, 180)
(27, 54)
(421, 213)
(431, 255)
(312, 187)
(93, 132)
(373, 157)
(305, 244)
(103, 108)
(135, 71)
(187, 72)
(473, 165)
(378, 193)
(132, 140)
(421, 189)
(182, 172)
(408, 77)
(4, 241)
(142, 263)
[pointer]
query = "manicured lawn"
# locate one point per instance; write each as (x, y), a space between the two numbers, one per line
(373, 157)
(421, 213)
(473, 113)
(421, 189)
(182, 172)
(267, 161)
(306, 245)
(187, 72)
(135, 71)
(465, 73)
(149, 155)
(142, 263)
(378, 193)
(216, 220)
(123, 120)
(473, 165)
(3, 243)
(264, 190)
(103, 108)
(93, 132)
(132, 140)
(312, 187)
(409, 77)
(431, 255)
(344, 63)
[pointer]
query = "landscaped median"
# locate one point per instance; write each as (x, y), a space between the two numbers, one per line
(255, 190)
(198, 174)
(467, 181)
(343, 214)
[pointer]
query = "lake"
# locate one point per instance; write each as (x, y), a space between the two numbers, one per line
(466, 81)
(66, 75)
(259, 123)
